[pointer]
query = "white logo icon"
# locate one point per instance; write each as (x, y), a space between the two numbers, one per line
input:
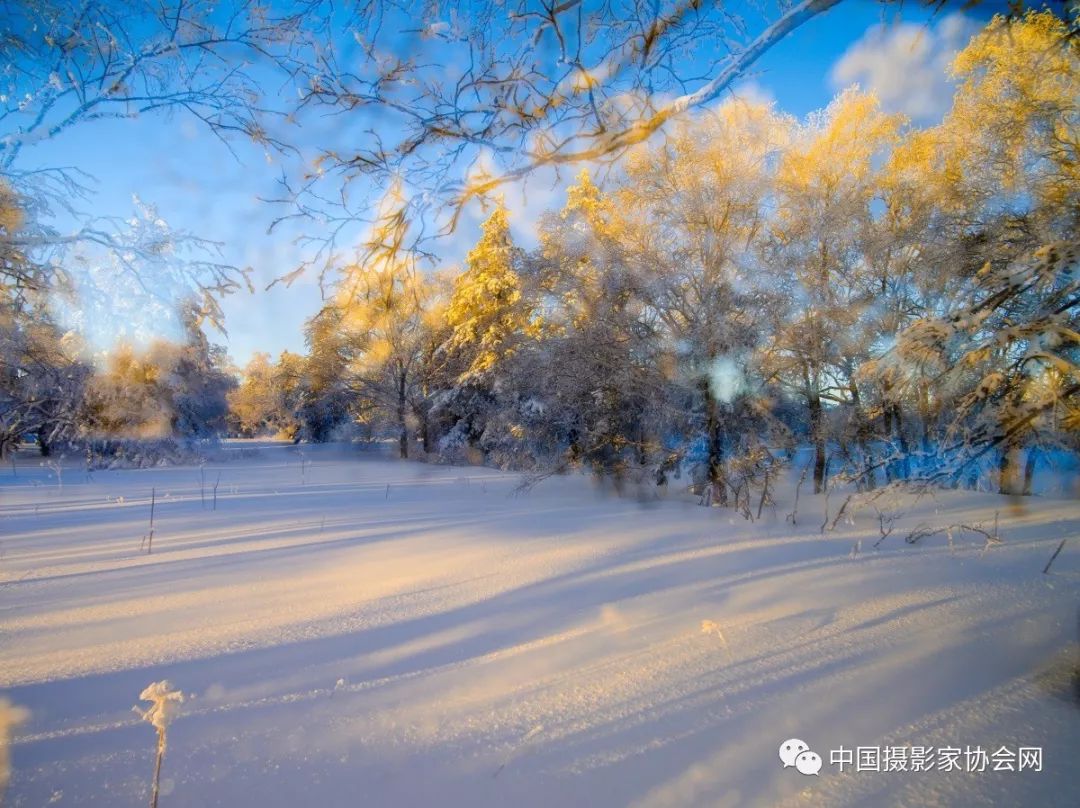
(794, 752)
(808, 762)
(791, 749)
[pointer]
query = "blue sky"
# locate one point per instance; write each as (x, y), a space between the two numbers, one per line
(197, 185)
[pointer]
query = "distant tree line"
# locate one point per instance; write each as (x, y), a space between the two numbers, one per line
(55, 392)
(903, 300)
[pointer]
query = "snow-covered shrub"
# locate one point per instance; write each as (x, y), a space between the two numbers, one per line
(121, 453)
(453, 447)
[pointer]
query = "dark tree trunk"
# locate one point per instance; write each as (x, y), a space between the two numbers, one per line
(425, 433)
(924, 413)
(716, 478)
(901, 440)
(403, 435)
(894, 433)
(573, 445)
(1007, 467)
(862, 436)
(1029, 471)
(817, 432)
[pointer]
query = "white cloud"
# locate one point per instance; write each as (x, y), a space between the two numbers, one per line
(752, 92)
(906, 65)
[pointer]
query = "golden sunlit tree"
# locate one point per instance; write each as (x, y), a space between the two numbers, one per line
(826, 184)
(993, 192)
(267, 399)
(488, 311)
(387, 316)
(698, 206)
(601, 337)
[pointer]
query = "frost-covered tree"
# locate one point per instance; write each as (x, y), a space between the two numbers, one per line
(326, 405)
(200, 382)
(488, 311)
(42, 373)
(696, 206)
(259, 404)
(1019, 338)
(18, 271)
(541, 84)
(826, 184)
(990, 200)
(252, 404)
(128, 398)
(177, 390)
(490, 314)
(43, 377)
(387, 315)
(603, 396)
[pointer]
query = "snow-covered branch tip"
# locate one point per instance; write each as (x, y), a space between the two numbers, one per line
(164, 704)
(164, 707)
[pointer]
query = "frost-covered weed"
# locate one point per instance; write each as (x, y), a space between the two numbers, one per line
(164, 706)
(11, 715)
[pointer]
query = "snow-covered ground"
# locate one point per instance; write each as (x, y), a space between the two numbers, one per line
(350, 630)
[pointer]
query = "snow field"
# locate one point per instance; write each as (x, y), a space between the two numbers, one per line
(370, 632)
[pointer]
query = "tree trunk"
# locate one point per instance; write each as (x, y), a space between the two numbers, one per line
(1029, 471)
(887, 431)
(901, 439)
(924, 414)
(1007, 469)
(862, 436)
(715, 462)
(403, 437)
(817, 433)
(425, 433)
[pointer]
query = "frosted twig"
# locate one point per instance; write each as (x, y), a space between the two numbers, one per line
(839, 514)
(923, 531)
(764, 492)
(148, 539)
(795, 508)
(58, 471)
(529, 480)
(164, 705)
(883, 520)
(1060, 547)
